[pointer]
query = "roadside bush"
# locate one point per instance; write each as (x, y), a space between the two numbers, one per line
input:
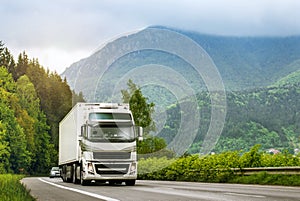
(217, 167)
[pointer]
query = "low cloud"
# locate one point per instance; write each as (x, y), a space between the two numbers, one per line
(82, 26)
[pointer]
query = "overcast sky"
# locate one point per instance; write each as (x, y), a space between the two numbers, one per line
(61, 32)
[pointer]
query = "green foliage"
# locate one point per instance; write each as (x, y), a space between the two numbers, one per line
(76, 98)
(153, 147)
(54, 93)
(141, 110)
(290, 79)
(4, 151)
(269, 179)
(6, 58)
(32, 103)
(142, 113)
(252, 158)
(38, 139)
(19, 157)
(11, 188)
(266, 116)
(212, 168)
(150, 168)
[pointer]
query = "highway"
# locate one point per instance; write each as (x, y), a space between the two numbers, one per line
(46, 189)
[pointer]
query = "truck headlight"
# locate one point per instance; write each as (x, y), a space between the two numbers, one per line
(133, 168)
(90, 168)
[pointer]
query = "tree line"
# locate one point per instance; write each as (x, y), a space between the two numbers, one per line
(33, 101)
(268, 116)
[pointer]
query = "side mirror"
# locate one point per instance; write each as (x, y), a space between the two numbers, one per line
(140, 133)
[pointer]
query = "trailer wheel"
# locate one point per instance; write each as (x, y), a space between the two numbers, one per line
(63, 173)
(75, 180)
(69, 172)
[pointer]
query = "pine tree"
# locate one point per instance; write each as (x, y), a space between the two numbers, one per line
(22, 65)
(6, 59)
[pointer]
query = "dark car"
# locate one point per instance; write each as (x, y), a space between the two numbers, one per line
(54, 172)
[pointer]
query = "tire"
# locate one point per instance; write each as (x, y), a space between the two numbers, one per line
(74, 178)
(64, 174)
(130, 182)
(69, 179)
(83, 182)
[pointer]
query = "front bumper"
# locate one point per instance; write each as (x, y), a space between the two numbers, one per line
(107, 171)
(97, 177)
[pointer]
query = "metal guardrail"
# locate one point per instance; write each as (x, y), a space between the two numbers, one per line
(289, 170)
(270, 170)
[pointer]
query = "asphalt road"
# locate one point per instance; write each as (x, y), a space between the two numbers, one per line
(46, 189)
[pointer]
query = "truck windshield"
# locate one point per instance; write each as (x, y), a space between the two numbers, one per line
(109, 116)
(111, 133)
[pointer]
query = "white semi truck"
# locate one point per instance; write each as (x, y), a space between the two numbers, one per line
(97, 142)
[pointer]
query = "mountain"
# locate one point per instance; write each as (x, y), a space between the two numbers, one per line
(261, 76)
(243, 63)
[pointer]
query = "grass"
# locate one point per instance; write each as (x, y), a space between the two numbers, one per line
(264, 178)
(12, 190)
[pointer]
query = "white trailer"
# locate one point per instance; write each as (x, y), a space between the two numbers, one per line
(97, 142)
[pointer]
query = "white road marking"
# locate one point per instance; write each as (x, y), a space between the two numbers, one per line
(246, 195)
(80, 191)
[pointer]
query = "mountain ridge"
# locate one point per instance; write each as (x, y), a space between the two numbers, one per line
(243, 62)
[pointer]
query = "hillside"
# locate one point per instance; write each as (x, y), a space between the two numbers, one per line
(243, 62)
(266, 116)
(260, 74)
(290, 79)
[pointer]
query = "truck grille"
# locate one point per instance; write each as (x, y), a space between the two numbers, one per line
(111, 168)
(111, 155)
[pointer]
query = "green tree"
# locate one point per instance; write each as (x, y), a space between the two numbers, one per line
(141, 110)
(38, 139)
(6, 59)
(76, 98)
(54, 93)
(19, 157)
(4, 149)
(22, 65)
(33, 102)
(142, 113)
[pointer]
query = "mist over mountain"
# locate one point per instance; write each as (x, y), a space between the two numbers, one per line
(243, 63)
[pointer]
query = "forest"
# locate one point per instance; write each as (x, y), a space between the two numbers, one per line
(33, 101)
(267, 116)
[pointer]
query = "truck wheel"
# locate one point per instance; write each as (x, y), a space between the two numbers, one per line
(83, 182)
(130, 182)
